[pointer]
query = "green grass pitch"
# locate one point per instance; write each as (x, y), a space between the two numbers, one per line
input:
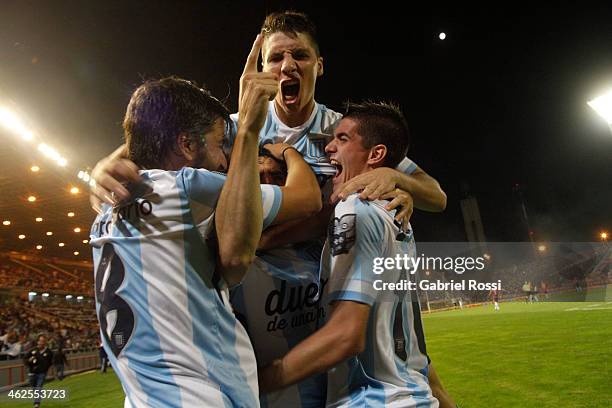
(527, 355)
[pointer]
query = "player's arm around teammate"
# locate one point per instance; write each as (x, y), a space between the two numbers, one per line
(424, 189)
(343, 336)
(301, 192)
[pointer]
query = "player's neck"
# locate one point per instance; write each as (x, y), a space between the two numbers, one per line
(297, 118)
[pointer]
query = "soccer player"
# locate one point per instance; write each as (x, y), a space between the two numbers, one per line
(164, 313)
(494, 295)
(357, 343)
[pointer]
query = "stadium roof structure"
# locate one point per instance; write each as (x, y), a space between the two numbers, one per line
(50, 185)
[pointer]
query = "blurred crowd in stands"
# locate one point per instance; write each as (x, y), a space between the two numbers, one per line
(68, 323)
(21, 322)
(46, 280)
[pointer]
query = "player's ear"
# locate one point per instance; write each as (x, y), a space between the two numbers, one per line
(377, 155)
(319, 66)
(186, 146)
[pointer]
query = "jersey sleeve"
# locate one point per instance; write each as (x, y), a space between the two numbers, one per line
(355, 238)
(203, 189)
(406, 166)
(271, 198)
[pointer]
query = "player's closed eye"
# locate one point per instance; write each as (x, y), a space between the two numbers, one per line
(300, 55)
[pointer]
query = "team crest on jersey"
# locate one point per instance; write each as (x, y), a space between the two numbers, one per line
(342, 234)
(315, 146)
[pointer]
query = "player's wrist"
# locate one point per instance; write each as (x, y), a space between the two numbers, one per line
(289, 151)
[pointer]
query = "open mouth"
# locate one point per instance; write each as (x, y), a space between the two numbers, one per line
(290, 90)
(338, 167)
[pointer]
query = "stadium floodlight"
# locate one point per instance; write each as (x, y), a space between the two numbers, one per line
(604, 236)
(76, 253)
(22, 236)
(74, 190)
(86, 241)
(6, 222)
(49, 151)
(31, 199)
(442, 36)
(68, 297)
(603, 106)
(52, 154)
(77, 229)
(542, 248)
(14, 124)
(80, 175)
(49, 233)
(70, 214)
(39, 247)
(32, 294)
(34, 169)
(61, 244)
(39, 219)
(45, 294)
(86, 177)
(79, 297)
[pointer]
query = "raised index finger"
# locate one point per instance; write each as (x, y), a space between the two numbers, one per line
(251, 62)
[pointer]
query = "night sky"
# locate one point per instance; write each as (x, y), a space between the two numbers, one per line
(502, 101)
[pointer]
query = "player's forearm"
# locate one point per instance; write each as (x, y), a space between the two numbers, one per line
(296, 231)
(424, 189)
(301, 180)
(239, 215)
(317, 354)
(301, 193)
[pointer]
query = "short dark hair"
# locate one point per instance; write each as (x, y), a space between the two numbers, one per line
(381, 123)
(291, 23)
(159, 110)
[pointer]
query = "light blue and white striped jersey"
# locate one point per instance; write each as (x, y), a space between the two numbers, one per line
(279, 304)
(165, 320)
(383, 375)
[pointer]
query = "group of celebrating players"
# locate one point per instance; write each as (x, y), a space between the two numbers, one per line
(233, 253)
